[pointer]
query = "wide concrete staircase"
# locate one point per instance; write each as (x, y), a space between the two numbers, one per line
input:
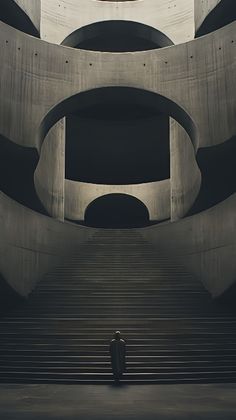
(175, 333)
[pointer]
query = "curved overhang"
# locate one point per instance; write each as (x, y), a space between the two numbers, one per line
(175, 19)
(180, 73)
(115, 93)
(117, 36)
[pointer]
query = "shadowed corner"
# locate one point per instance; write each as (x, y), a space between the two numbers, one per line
(9, 299)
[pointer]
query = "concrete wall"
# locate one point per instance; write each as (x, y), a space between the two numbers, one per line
(37, 76)
(202, 10)
(50, 172)
(155, 196)
(32, 244)
(204, 243)
(32, 8)
(198, 76)
(185, 173)
(175, 18)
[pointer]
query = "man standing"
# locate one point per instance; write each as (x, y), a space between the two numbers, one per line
(118, 356)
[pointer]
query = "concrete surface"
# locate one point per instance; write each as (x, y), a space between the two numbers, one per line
(202, 10)
(198, 76)
(49, 176)
(33, 10)
(31, 244)
(174, 18)
(185, 175)
(127, 402)
(155, 196)
(204, 243)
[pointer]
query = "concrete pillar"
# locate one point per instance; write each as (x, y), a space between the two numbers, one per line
(49, 177)
(184, 171)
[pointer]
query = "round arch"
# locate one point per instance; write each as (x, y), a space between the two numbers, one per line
(117, 36)
(116, 211)
(83, 99)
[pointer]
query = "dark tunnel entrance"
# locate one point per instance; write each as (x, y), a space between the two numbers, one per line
(116, 211)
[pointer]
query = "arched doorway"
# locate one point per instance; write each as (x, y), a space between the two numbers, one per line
(119, 211)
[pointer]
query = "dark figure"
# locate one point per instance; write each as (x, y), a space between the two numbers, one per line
(118, 354)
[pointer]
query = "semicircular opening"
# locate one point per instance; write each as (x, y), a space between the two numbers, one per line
(117, 36)
(116, 211)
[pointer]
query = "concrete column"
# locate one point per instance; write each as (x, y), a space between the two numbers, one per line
(184, 171)
(49, 177)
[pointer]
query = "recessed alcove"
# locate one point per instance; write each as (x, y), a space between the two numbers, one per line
(116, 211)
(117, 141)
(117, 36)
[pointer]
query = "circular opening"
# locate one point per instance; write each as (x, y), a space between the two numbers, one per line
(117, 36)
(116, 211)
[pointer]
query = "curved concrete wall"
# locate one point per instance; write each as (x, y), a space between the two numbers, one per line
(31, 244)
(203, 84)
(32, 8)
(204, 243)
(202, 10)
(198, 76)
(49, 175)
(155, 196)
(185, 173)
(174, 18)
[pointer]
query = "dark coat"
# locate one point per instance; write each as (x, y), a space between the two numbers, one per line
(118, 353)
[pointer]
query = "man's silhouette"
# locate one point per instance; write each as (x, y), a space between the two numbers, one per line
(118, 356)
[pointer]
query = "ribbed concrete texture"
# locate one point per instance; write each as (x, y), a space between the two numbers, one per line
(175, 333)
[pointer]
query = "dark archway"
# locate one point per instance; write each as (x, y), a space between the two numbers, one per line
(117, 36)
(82, 100)
(138, 154)
(116, 211)
(13, 15)
(223, 14)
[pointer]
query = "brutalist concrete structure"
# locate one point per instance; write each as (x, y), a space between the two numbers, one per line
(118, 103)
